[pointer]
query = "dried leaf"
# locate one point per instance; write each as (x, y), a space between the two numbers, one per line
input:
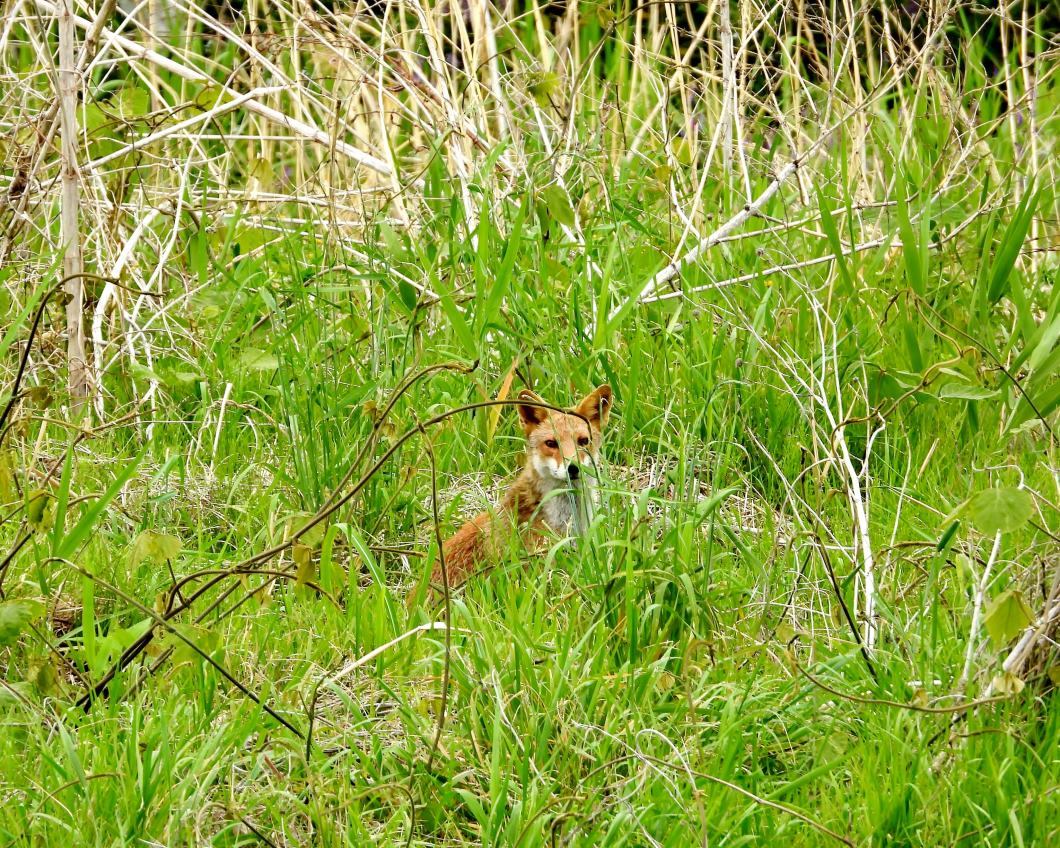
(1008, 684)
(506, 387)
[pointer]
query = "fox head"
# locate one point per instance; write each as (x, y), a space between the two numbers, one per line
(561, 444)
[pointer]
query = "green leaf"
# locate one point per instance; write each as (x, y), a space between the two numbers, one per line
(460, 325)
(17, 321)
(408, 294)
(559, 205)
(182, 378)
(947, 537)
(706, 508)
(62, 500)
(305, 568)
(1046, 401)
(8, 492)
(202, 638)
(912, 344)
(1011, 244)
(542, 85)
(1045, 343)
(43, 675)
(834, 242)
(10, 694)
(966, 391)
(682, 151)
(259, 360)
(1007, 616)
(912, 252)
(38, 509)
(14, 616)
(312, 537)
(142, 372)
(503, 278)
(1000, 510)
(157, 547)
(81, 530)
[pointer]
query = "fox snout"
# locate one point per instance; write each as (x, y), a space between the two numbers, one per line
(563, 468)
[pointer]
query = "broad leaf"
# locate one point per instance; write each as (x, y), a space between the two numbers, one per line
(14, 616)
(305, 568)
(1006, 617)
(559, 205)
(259, 360)
(39, 509)
(312, 537)
(966, 391)
(43, 675)
(157, 547)
(1000, 510)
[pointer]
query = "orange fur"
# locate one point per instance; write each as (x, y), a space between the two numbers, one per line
(556, 441)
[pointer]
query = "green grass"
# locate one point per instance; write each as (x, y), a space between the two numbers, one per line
(693, 671)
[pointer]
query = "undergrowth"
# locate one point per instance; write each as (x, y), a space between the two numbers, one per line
(811, 247)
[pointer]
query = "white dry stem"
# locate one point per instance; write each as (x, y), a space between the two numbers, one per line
(977, 614)
(73, 263)
(728, 75)
(781, 176)
(674, 268)
(839, 447)
(109, 293)
(826, 258)
(220, 421)
(174, 129)
(302, 128)
(352, 666)
(1016, 659)
(825, 393)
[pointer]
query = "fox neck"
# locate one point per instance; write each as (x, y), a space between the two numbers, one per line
(566, 507)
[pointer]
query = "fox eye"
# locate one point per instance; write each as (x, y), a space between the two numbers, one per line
(551, 443)
(583, 441)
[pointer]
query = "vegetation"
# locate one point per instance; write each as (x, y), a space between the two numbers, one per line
(255, 256)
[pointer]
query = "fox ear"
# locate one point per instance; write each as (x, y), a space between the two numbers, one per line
(531, 416)
(596, 406)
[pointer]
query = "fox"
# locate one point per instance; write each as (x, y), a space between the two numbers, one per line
(555, 491)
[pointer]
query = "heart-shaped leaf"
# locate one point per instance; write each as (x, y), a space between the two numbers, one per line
(157, 547)
(1000, 510)
(1006, 617)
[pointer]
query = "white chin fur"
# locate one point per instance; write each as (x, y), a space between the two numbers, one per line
(548, 469)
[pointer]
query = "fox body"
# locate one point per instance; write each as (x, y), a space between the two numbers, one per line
(553, 492)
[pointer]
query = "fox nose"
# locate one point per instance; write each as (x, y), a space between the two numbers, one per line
(573, 471)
